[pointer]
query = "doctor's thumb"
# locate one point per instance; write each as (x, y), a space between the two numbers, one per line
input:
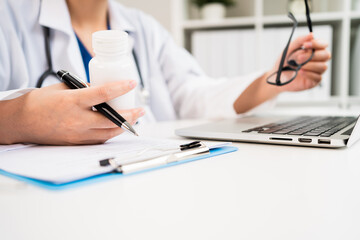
(104, 93)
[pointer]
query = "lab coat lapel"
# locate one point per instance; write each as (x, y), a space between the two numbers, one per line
(117, 21)
(65, 50)
(120, 22)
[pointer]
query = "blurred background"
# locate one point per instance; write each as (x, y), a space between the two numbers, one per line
(235, 37)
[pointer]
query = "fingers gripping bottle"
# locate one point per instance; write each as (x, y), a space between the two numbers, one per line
(112, 63)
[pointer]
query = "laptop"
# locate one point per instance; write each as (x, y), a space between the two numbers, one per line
(312, 131)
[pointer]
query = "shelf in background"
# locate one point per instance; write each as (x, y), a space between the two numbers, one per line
(333, 101)
(225, 23)
(315, 18)
(355, 15)
(266, 20)
(354, 100)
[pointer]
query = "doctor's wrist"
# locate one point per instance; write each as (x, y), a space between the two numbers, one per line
(258, 92)
(10, 125)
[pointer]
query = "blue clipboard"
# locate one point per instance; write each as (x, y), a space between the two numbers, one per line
(108, 176)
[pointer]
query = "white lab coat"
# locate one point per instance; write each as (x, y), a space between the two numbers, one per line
(178, 87)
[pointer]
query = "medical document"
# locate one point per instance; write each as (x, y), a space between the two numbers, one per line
(62, 164)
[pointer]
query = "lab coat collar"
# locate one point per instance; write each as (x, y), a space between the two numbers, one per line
(118, 20)
(55, 15)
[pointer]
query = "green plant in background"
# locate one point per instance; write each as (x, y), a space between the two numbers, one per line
(201, 3)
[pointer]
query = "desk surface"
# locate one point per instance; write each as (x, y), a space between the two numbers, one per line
(260, 192)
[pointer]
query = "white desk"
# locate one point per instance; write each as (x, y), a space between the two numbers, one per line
(259, 192)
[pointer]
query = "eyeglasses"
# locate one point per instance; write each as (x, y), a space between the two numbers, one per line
(295, 60)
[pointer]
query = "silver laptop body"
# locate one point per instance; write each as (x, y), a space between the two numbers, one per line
(256, 129)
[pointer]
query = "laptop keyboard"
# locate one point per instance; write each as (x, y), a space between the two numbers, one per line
(306, 126)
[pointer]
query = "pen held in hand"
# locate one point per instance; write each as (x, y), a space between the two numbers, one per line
(74, 82)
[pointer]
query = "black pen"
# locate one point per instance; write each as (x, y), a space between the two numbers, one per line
(75, 82)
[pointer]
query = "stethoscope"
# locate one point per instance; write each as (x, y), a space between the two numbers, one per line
(144, 93)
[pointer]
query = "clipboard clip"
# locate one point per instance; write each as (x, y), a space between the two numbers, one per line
(184, 151)
(191, 145)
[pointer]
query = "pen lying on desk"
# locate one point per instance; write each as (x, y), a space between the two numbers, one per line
(74, 82)
(184, 152)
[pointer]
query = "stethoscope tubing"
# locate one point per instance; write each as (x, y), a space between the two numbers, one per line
(50, 70)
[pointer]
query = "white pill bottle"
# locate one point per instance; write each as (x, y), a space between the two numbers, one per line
(112, 63)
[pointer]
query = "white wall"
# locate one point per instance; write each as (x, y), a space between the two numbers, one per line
(159, 9)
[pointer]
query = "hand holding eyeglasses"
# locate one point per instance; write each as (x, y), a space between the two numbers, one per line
(302, 62)
(300, 67)
(310, 71)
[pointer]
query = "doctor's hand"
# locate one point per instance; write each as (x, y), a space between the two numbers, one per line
(310, 75)
(57, 115)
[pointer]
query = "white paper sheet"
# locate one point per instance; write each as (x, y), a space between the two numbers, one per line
(60, 164)
(5, 148)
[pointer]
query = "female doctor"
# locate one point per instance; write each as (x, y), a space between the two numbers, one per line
(178, 88)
